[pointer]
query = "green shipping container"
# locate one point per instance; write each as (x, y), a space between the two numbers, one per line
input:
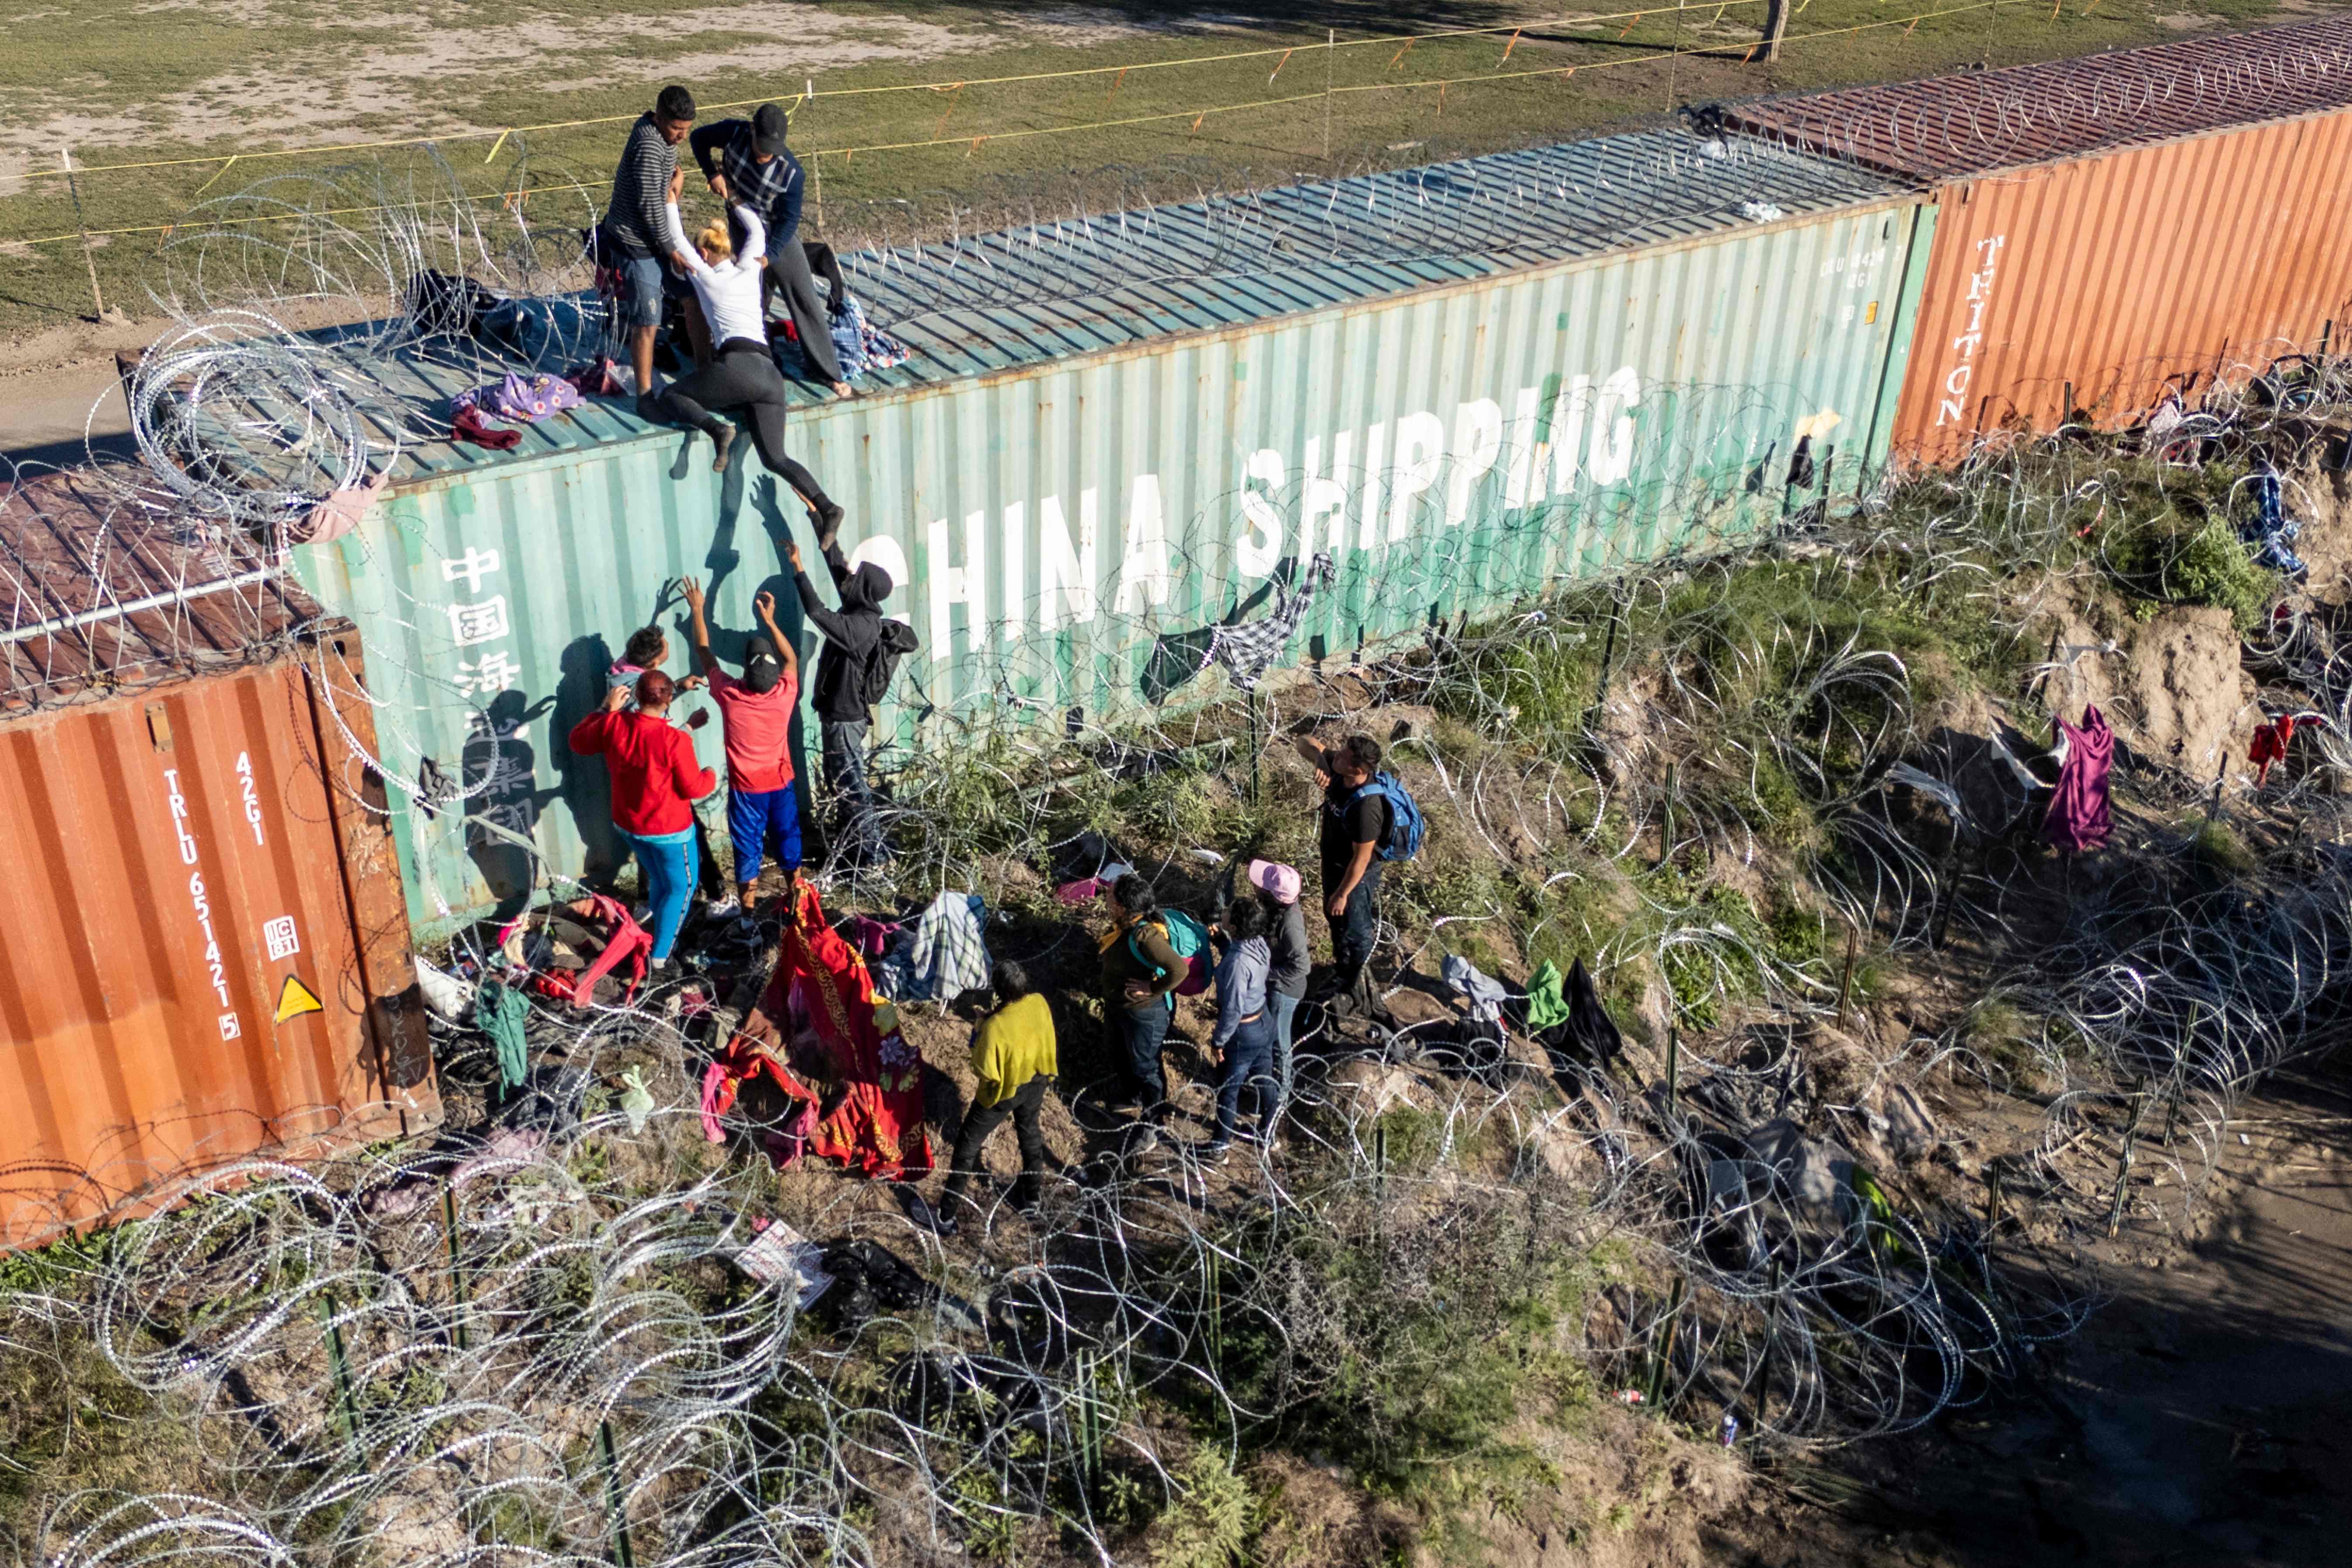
(1593, 354)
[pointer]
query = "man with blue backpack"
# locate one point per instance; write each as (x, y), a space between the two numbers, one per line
(1368, 819)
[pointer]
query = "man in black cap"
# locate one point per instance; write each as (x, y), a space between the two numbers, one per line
(746, 161)
(756, 712)
(860, 647)
(634, 236)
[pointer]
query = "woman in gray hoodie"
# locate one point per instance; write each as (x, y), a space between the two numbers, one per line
(1244, 1040)
(1285, 938)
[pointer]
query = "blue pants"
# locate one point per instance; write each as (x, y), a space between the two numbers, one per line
(668, 862)
(1283, 1011)
(758, 818)
(1249, 1064)
(650, 278)
(1353, 933)
(1141, 1032)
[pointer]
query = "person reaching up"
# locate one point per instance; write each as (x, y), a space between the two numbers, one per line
(756, 717)
(861, 646)
(742, 371)
(655, 781)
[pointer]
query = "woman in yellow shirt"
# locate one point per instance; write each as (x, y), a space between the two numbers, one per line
(1013, 1054)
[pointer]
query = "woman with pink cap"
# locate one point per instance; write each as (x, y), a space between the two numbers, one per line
(1286, 935)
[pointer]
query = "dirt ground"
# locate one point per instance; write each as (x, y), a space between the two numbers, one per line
(2201, 1416)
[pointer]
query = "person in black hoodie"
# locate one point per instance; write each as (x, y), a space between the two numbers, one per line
(858, 640)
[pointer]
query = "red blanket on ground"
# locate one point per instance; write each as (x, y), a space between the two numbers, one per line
(821, 1011)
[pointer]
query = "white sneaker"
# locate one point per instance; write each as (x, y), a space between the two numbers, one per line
(727, 910)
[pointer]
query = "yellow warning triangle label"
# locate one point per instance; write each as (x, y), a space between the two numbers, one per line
(296, 999)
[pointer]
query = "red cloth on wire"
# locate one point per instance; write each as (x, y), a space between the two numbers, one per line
(629, 941)
(2270, 745)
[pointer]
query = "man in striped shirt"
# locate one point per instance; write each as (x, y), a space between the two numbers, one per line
(635, 232)
(746, 161)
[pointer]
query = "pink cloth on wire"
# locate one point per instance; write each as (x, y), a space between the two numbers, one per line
(341, 512)
(870, 936)
(629, 941)
(2079, 819)
(714, 1078)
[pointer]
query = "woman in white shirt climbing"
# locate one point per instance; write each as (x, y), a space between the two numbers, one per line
(742, 371)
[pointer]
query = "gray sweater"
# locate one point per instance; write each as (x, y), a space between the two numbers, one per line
(1289, 955)
(1241, 988)
(636, 218)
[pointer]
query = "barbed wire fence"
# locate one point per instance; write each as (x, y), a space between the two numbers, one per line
(549, 1345)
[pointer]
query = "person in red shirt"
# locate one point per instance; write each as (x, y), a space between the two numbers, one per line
(655, 782)
(757, 714)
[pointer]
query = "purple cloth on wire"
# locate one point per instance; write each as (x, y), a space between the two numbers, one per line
(2078, 818)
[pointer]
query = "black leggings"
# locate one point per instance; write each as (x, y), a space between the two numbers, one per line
(743, 374)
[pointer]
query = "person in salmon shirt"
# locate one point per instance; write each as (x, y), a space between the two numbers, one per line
(755, 712)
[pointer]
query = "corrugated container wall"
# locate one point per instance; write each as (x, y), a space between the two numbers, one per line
(2114, 222)
(1067, 533)
(2212, 256)
(209, 955)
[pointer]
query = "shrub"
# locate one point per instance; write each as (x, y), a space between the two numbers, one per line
(1214, 1516)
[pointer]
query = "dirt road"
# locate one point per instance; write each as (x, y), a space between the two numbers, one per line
(2204, 1415)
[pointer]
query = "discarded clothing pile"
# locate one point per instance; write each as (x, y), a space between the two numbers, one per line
(440, 304)
(1480, 1036)
(2078, 818)
(598, 378)
(551, 949)
(518, 399)
(339, 512)
(820, 1018)
(944, 957)
(857, 344)
(1568, 1018)
(870, 1280)
(1564, 1015)
(2270, 531)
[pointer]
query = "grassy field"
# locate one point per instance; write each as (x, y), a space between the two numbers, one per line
(188, 86)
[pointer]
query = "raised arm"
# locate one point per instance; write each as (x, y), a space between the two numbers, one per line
(763, 605)
(753, 251)
(698, 629)
(825, 621)
(675, 229)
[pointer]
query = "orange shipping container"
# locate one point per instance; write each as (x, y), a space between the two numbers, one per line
(2121, 275)
(2113, 223)
(207, 955)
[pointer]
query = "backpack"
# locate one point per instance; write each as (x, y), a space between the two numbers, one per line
(1406, 829)
(1189, 940)
(895, 642)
